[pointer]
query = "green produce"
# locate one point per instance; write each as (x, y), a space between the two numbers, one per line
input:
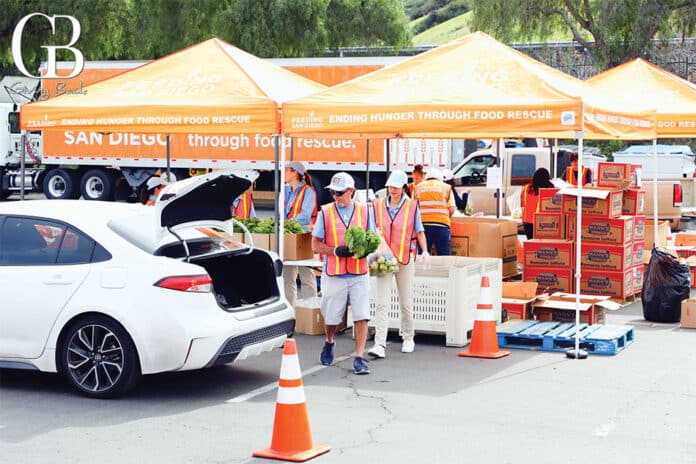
(293, 227)
(360, 243)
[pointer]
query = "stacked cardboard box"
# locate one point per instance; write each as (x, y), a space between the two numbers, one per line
(613, 233)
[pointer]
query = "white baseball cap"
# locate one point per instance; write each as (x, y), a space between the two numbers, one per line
(397, 179)
(296, 166)
(434, 173)
(340, 182)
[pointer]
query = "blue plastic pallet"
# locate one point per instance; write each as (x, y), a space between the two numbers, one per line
(559, 336)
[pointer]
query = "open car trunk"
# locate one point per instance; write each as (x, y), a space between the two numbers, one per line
(241, 280)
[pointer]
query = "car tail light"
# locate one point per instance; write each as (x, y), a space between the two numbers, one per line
(677, 194)
(195, 283)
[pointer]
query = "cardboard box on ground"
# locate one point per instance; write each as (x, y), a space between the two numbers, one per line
(486, 238)
(308, 318)
(688, 314)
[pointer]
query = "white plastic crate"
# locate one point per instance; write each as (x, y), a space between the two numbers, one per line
(445, 294)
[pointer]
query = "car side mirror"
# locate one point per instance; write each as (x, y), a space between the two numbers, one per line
(13, 121)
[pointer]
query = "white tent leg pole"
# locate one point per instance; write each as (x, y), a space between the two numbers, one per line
(577, 353)
(655, 190)
(280, 242)
(500, 152)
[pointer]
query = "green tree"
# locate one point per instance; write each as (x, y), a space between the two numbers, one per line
(612, 31)
(105, 32)
(366, 22)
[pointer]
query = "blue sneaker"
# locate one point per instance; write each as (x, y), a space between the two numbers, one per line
(360, 366)
(327, 356)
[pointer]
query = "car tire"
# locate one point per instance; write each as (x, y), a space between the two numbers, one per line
(98, 185)
(61, 184)
(98, 357)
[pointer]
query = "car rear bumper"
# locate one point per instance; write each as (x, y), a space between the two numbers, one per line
(208, 352)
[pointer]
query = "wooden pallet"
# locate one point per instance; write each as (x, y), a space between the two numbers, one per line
(559, 336)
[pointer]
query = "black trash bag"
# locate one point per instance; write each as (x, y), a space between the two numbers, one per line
(665, 285)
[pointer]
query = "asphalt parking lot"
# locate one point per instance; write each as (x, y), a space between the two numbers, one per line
(428, 406)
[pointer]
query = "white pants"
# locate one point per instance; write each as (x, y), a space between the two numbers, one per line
(404, 287)
(308, 283)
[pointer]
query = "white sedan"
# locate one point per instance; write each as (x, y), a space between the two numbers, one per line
(105, 292)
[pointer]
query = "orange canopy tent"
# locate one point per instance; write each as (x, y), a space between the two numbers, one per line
(673, 98)
(211, 88)
(607, 112)
(472, 87)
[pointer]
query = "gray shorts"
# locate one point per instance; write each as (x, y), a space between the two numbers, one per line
(335, 292)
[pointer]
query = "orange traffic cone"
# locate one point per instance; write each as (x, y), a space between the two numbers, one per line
(292, 439)
(484, 341)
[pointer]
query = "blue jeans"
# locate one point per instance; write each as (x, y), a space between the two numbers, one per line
(440, 237)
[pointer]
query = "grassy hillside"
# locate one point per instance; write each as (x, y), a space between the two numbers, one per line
(436, 22)
(444, 32)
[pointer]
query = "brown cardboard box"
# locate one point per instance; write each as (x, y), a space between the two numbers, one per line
(550, 279)
(688, 314)
(298, 246)
(262, 241)
(549, 225)
(614, 284)
(683, 239)
(633, 202)
(615, 231)
(548, 253)
(638, 227)
(520, 290)
(238, 236)
(662, 231)
(308, 318)
(611, 174)
(638, 275)
(608, 204)
(486, 238)
(638, 251)
(550, 201)
(607, 257)
(561, 307)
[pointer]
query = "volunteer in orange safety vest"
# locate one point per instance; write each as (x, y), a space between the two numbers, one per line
(437, 205)
(399, 219)
(530, 199)
(417, 175)
(243, 206)
(571, 173)
(345, 276)
(300, 206)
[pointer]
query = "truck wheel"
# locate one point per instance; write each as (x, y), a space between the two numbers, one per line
(61, 184)
(98, 184)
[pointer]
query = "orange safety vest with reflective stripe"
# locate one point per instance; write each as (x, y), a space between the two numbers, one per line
(296, 207)
(153, 196)
(400, 231)
(530, 204)
(335, 235)
(243, 208)
(432, 196)
(570, 175)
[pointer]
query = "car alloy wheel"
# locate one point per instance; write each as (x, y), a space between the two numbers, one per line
(98, 357)
(95, 358)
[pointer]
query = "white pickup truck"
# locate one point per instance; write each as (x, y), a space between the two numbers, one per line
(518, 168)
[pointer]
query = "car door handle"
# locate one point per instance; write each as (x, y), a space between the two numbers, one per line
(57, 280)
